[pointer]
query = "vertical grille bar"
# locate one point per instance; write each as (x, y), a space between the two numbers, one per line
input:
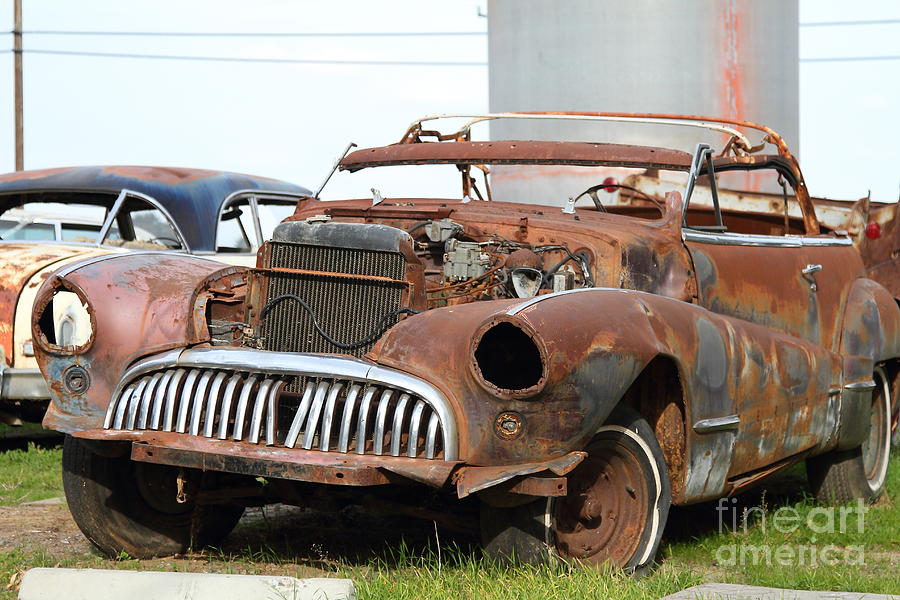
(380, 419)
(347, 418)
(414, 422)
(364, 409)
(259, 405)
(160, 399)
(315, 411)
(198, 401)
(430, 438)
(212, 401)
(134, 402)
(328, 417)
(399, 418)
(271, 412)
(146, 399)
(300, 417)
(172, 399)
(124, 399)
(241, 412)
(184, 404)
(227, 400)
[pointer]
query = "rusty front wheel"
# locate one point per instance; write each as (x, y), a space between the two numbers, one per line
(123, 506)
(614, 513)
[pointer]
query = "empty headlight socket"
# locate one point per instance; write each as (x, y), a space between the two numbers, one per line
(508, 358)
(42, 318)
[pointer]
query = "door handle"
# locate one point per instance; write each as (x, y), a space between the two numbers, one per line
(809, 272)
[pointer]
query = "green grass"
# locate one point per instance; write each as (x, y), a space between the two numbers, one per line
(29, 475)
(691, 553)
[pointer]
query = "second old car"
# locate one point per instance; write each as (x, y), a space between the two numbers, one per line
(54, 217)
(571, 368)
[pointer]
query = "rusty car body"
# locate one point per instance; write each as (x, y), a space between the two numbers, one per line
(53, 217)
(574, 368)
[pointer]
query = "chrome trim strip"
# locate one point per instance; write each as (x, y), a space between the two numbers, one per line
(860, 386)
(397, 429)
(717, 424)
(300, 415)
(347, 417)
(315, 411)
(774, 241)
(312, 365)
(532, 301)
(160, 399)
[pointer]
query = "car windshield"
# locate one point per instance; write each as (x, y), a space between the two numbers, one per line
(610, 188)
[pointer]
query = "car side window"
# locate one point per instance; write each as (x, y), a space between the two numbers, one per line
(139, 225)
(272, 212)
(236, 230)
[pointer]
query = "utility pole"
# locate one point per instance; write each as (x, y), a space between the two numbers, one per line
(17, 73)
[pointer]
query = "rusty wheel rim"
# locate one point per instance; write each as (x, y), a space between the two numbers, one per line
(876, 447)
(603, 518)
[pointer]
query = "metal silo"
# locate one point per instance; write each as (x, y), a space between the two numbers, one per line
(728, 58)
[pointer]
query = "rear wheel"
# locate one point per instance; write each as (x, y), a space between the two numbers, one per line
(615, 511)
(842, 476)
(125, 506)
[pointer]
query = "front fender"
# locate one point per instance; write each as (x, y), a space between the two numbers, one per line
(139, 304)
(593, 346)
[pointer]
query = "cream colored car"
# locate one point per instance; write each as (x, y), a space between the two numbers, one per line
(58, 217)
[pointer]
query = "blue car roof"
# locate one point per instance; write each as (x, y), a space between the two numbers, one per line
(192, 196)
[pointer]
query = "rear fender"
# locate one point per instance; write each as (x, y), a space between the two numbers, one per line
(870, 334)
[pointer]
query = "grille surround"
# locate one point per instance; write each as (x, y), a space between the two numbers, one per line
(352, 276)
(141, 401)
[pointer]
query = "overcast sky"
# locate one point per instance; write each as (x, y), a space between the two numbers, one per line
(290, 121)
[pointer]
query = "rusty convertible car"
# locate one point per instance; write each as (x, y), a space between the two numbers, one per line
(570, 368)
(54, 217)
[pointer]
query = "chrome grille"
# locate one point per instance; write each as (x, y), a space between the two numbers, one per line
(347, 308)
(188, 394)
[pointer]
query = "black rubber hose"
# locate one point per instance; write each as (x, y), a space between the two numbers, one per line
(382, 326)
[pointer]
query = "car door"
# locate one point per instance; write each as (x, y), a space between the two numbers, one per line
(784, 332)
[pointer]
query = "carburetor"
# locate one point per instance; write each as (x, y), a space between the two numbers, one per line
(464, 260)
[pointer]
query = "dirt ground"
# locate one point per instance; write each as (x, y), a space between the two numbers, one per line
(275, 539)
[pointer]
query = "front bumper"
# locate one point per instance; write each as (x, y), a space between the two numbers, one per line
(23, 384)
(174, 449)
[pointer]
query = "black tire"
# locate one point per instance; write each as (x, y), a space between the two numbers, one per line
(841, 476)
(123, 506)
(626, 469)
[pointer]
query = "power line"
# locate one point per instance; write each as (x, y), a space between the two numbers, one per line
(240, 59)
(250, 34)
(848, 59)
(850, 23)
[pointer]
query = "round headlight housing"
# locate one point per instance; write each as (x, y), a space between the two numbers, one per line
(508, 360)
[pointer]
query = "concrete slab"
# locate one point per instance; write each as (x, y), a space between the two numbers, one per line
(99, 584)
(731, 591)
